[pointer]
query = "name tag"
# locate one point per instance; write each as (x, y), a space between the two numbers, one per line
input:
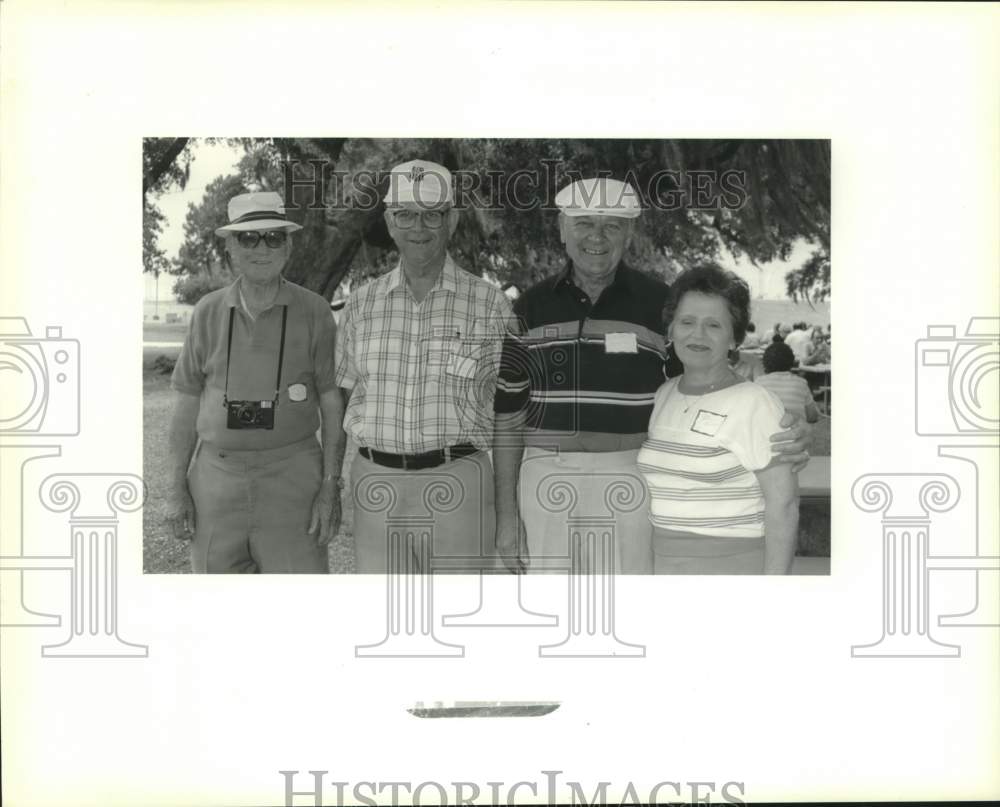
(620, 343)
(708, 423)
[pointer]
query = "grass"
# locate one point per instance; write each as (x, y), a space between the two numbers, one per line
(163, 554)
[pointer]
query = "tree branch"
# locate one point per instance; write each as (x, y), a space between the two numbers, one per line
(162, 163)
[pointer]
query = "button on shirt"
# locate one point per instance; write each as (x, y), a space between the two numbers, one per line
(422, 375)
(253, 365)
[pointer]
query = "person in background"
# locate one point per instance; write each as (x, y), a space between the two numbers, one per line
(820, 353)
(720, 503)
(792, 391)
(751, 340)
(800, 341)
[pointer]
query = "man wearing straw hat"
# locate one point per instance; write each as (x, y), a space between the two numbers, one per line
(417, 355)
(253, 378)
(576, 389)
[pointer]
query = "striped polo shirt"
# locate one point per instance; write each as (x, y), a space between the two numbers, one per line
(585, 374)
(700, 457)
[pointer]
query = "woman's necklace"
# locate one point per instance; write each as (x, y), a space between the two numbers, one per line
(690, 400)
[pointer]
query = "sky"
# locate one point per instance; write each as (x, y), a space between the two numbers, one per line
(767, 281)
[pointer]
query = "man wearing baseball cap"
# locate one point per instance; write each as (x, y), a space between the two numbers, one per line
(254, 375)
(576, 388)
(417, 356)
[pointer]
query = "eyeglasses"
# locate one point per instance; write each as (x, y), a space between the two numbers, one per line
(405, 219)
(249, 239)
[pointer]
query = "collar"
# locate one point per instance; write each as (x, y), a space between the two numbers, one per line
(447, 279)
(564, 278)
(232, 295)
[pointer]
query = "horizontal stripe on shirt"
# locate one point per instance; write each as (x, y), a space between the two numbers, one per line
(559, 371)
(708, 522)
(696, 476)
(705, 494)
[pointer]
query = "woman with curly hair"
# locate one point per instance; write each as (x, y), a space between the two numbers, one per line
(720, 502)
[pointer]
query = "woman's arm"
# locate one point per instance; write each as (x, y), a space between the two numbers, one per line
(781, 516)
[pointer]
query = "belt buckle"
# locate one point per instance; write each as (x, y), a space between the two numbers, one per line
(446, 452)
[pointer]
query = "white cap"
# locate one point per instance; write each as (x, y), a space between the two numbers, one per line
(263, 210)
(419, 182)
(599, 197)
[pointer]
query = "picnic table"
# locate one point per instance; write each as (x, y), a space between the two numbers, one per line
(824, 384)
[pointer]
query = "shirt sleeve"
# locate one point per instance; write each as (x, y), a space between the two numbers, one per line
(189, 370)
(345, 371)
(747, 431)
(513, 379)
(804, 392)
(324, 345)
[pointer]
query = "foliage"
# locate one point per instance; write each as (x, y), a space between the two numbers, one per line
(166, 161)
(202, 251)
(811, 281)
(787, 198)
(191, 288)
(153, 258)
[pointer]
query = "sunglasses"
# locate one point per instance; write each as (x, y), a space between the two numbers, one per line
(249, 239)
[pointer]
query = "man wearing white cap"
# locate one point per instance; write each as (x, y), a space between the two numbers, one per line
(579, 385)
(254, 375)
(417, 355)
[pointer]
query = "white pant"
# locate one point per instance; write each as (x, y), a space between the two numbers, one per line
(561, 493)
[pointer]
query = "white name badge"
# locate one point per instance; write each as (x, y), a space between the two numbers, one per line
(708, 423)
(620, 343)
(297, 392)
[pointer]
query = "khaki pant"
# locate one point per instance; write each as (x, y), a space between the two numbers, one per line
(584, 492)
(443, 518)
(252, 509)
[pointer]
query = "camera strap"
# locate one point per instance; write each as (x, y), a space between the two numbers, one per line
(281, 354)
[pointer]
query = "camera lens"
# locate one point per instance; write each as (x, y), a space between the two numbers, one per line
(246, 414)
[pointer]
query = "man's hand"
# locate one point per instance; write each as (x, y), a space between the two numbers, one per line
(792, 446)
(512, 545)
(180, 513)
(326, 512)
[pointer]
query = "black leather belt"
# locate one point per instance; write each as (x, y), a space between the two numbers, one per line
(414, 462)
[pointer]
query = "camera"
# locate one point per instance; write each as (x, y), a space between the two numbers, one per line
(40, 379)
(958, 379)
(250, 414)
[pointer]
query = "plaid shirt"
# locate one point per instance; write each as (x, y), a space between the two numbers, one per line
(422, 375)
